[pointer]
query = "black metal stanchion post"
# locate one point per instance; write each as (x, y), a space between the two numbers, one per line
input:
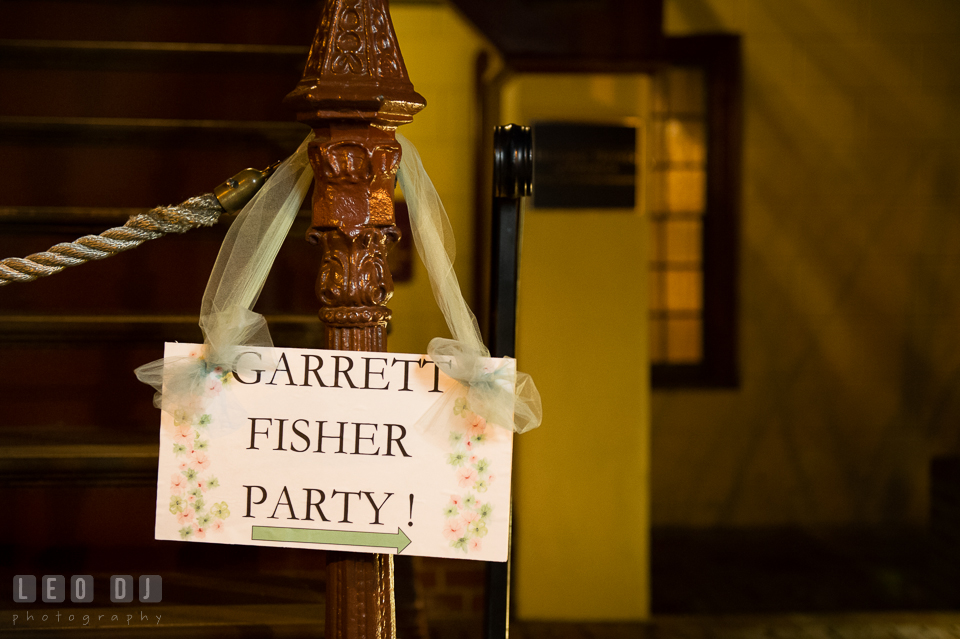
(512, 180)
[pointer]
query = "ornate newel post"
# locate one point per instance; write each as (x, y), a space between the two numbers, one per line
(355, 92)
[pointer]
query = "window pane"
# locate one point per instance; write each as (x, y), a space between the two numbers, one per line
(684, 340)
(684, 290)
(677, 201)
(685, 191)
(679, 142)
(681, 241)
(684, 141)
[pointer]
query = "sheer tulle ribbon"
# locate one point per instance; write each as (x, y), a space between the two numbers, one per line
(500, 396)
(516, 404)
(226, 316)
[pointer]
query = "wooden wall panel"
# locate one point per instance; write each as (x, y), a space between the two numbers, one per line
(110, 108)
(88, 165)
(234, 21)
(185, 94)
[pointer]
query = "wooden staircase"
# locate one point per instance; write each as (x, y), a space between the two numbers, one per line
(109, 108)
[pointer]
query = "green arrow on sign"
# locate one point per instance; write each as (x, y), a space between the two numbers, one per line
(398, 540)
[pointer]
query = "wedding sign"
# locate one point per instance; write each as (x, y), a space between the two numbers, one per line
(355, 451)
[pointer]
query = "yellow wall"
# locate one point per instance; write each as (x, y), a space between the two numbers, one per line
(581, 484)
(440, 50)
(850, 309)
(581, 481)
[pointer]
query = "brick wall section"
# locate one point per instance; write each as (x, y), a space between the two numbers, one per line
(453, 593)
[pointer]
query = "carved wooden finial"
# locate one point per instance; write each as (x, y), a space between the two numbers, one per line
(355, 69)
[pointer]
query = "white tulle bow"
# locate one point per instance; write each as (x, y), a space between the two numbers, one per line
(460, 357)
(246, 256)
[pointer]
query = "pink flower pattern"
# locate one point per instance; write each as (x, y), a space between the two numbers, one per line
(466, 476)
(478, 426)
(466, 517)
(453, 528)
(187, 487)
(183, 434)
(200, 460)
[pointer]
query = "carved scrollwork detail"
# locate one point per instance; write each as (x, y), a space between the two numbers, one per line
(355, 162)
(386, 159)
(355, 68)
(349, 56)
(350, 316)
(347, 162)
(383, 46)
(353, 269)
(354, 182)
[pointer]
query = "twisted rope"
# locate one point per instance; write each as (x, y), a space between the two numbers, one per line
(203, 210)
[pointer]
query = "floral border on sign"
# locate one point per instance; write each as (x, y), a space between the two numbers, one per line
(190, 484)
(466, 516)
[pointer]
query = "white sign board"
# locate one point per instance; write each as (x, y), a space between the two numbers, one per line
(355, 451)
